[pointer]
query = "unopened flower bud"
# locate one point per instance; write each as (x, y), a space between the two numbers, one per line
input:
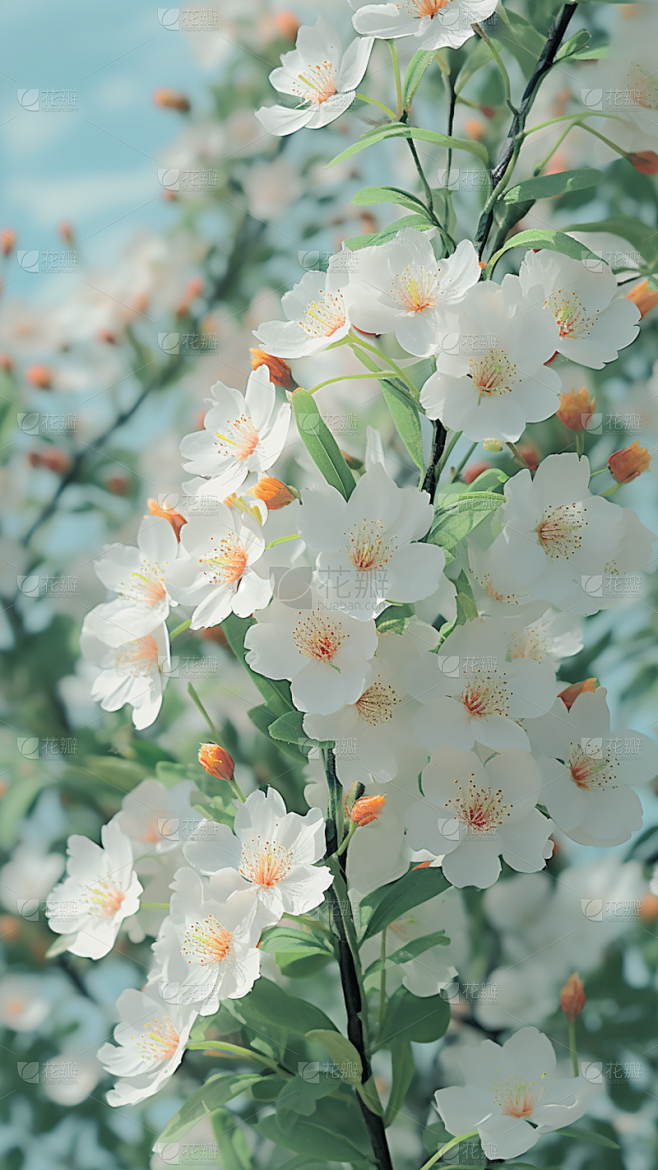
(572, 998)
(272, 492)
(571, 693)
(6, 363)
(645, 161)
(165, 512)
(367, 809)
(630, 462)
(171, 99)
(471, 472)
(10, 928)
(530, 454)
(648, 911)
(474, 129)
(576, 409)
(287, 25)
(216, 761)
(106, 336)
(40, 376)
(493, 445)
(66, 231)
(53, 460)
(643, 298)
(279, 370)
(192, 290)
(7, 240)
(117, 484)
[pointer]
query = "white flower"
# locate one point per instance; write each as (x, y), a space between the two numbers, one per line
(375, 736)
(323, 653)
(435, 24)
(490, 378)
(98, 893)
(507, 1088)
(473, 814)
(401, 287)
(156, 818)
(130, 670)
(622, 581)
(550, 639)
(320, 76)
(587, 771)
(316, 312)
(26, 1001)
(137, 576)
(217, 934)
(151, 1040)
(215, 571)
(594, 319)
(27, 877)
(243, 436)
(472, 694)
(557, 537)
(271, 848)
(367, 552)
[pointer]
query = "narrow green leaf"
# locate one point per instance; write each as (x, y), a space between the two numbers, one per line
(640, 235)
(416, 69)
(320, 443)
(204, 1101)
(290, 729)
(400, 130)
(546, 186)
(395, 619)
(402, 1063)
(383, 906)
(588, 1135)
(286, 938)
(343, 1053)
(368, 196)
(317, 1142)
(276, 693)
(420, 222)
(405, 414)
(525, 34)
(548, 238)
(409, 951)
(270, 1004)
(303, 1092)
(263, 719)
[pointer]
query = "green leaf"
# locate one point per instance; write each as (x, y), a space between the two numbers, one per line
(547, 238)
(320, 443)
(302, 1093)
(457, 515)
(395, 619)
(369, 1095)
(406, 420)
(343, 1053)
(488, 480)
(267, 1003)
(575, 45)
(290, 729)
(286, 938)
(411, 950)
(123, 774)
(401, 130)
(478, 55)
(402, 1063)
(416, 69)
(317, 1142)
(413, 1017)
(204, 1101)
(263, 719)
(383, 906)
(420, 222)
(589, 1135)
(276, 693)
(368, 196)
(640, 235)
(524, 33)
(546, 186)
(233, 1152)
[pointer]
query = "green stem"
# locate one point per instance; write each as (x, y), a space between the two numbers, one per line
(446, 452)
(496, 56)
(517, 455)
(465, 460)
(180, 629)
(197, 702)
(448, 1146)
(573, 1047)
(236, 1050)
(154, 905)
(374, 102)
(349, 377)
(382, 982)
(610, 491)
(399, 373)
(342, 848)
(580, 444)
(576, 119)
(398, 80)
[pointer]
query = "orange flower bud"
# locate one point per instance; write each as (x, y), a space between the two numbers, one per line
(572, 998)
(7, 240)
(66, 231)
(40, 376)
(192, 290)
(212, 634)
(10, 928)
(287, 25)
(630, 462)
(279, 370)
(571, 693)
(474, 129)
(367, 809)
(530, 454)
(649, 908)
(117, 484)
(643, 298)
(165, 512)
(488, 111)
(645, 161)
(216, 761)
(272, 492)
(576, 409)
(6, 363)
(53, 460)
(474, 469)
(171, 99)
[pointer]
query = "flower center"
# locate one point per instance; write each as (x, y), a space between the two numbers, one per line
(15, 1007)
(319, 636)
(317, 84)
(422, 8)
(377, 703)
(417, 288)
(104, 899)
(487, 584)
(240, 440)
(643, 90)
(147, 586)
(517, 1098)
(493, 373)
(266, 863)
(206, 942)
(559, 530)
(569, 312)
(591, 766)
(486, 694)
(158, 1040)
(530, 643)
(367, 548)
(324, 317)
(139, 657)
(479, 809)
(227, 562)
